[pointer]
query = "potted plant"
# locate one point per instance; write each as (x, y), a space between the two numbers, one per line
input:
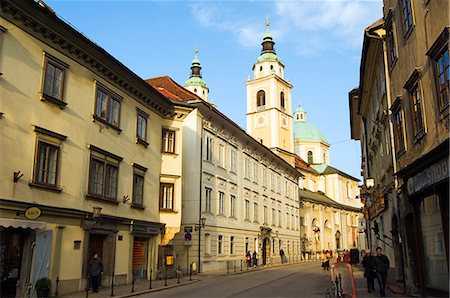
(43, 286)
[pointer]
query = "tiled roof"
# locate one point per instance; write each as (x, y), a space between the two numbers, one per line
(301, 164)
(321, 198)
(171, 89)
(332, 170)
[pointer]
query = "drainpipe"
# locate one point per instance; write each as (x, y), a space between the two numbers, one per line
(200, 196)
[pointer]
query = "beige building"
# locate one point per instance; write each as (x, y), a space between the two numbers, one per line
(245, 195)
(86, 149)
(408, 50)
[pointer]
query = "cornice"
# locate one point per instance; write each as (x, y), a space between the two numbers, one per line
(45, 26)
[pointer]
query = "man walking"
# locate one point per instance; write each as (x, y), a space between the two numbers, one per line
(381, 265)
(95, 271)
(367, 263)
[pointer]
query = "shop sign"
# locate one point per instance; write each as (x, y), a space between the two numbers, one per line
(188, 229)
(169, 260)
(33, 213)
(377, 207)
(428, 177)
(145, 229)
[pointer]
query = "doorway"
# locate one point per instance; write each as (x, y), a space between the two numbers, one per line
(265, 247)
(11, 250)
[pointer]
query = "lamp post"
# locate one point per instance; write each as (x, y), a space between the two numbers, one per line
(198, 227)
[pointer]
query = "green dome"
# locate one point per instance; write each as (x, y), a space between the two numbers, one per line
(304, 131)
(195, 81)
(268, 57)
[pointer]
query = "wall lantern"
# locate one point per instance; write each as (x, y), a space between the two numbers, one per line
(96, 211)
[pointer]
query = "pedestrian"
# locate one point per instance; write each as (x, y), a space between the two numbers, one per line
(347, 256)
(381, 265)
(255, 259)
(282, 255)
(369, 273)
(327, 260)
(248, 258)
(95, 272)
(324, 259)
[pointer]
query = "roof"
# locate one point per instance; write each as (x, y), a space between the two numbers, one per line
(321, 198)
(303, 165)
(305, 131)
(171, 89)
(193, 80)
(325, 169)
(268, 57)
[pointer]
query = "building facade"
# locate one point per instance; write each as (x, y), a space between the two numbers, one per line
(412, 43)
(81, 158)
(239, 196)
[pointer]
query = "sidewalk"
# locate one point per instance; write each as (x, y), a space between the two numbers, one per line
(361, 285)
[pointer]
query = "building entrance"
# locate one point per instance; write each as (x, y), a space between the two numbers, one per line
(11, 250)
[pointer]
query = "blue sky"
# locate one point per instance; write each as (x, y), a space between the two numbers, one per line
(319, 42)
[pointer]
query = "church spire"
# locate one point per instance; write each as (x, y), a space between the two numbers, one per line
(195, 83)
(268, 43)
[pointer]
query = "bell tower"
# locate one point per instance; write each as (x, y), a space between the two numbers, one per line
(195, 83)
(269, 102)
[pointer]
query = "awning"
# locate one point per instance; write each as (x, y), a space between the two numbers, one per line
(19, 223)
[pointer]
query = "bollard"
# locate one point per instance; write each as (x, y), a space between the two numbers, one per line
(57, 284)
(132, 282)
(234, 263)
(150, 280)
(241, 265)
(165, 279)
(112, 284)
(190, 272)
(178, 274)
(87, 286)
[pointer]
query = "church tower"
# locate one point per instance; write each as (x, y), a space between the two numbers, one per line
(269, 102)
(195, 83)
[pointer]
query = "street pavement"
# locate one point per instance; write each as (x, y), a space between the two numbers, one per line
(305, 279)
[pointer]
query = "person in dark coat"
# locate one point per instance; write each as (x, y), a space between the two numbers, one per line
(282, 255)
(255, 259)
(95, 272)
(369, 273)
(248, 258)
(381, 265)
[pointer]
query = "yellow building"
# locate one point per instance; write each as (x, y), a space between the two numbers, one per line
(90, 157)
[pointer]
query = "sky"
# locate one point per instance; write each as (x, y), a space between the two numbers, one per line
(319, 43)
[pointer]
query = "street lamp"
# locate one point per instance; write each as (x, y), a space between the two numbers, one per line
(198, 227)
(96, 211)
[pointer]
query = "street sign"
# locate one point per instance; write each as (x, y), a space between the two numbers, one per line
(188, 229)
(188, 236)
(188, 243)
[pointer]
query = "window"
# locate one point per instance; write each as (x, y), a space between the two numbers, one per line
(274, 217)
(138, 185)
(46, 164)
(141, 128)
(168, 141)
(438, 52)
(107, 106)
(265, 215)
(54, 73)
(247, 168)
(398, 129)
(209, 148)
(247, 210)
(246, 244)
(207, 243)
(272, 181)
(349, 190)
(390, 41)
(220, 244)
(416, 110)
(407, 15)
(310, 157)
(222, 155)
(292, 222)
(255, 212)
(221, 203)
(279, 218)
(255, 172)
(282, 101)
(166, 197)
(287, 221)
(443, 76)
(264, 182)
(208, 194)
(233, 160)
(103, 174)
(231, 245)
(232, 206)
(278, 184)
(296, 222)
(260, 99)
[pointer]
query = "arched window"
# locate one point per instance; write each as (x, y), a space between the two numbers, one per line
(349, 190)
(260, 98)
(282, 103)
(314, 223)
(260, 68)
(271, 67)
(310, 157)
(195, 90)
